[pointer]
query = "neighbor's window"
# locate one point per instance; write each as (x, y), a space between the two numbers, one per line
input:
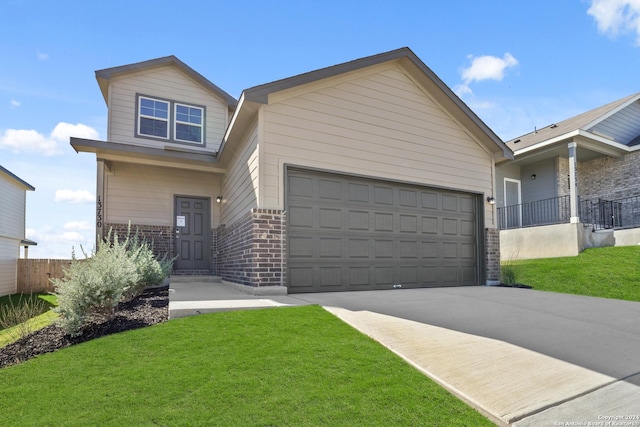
(188, 123)
(154, 117)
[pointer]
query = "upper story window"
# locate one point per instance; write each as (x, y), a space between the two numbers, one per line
(154, 118)
(188, 123)
(169, 120)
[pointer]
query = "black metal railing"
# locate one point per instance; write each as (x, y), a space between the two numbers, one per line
(555, 210)
(603, 214)
(599, 214)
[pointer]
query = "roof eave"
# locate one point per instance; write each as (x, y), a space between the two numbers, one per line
(613, 111)
(260, 94)
(105, 75)
(17, 180)
(104, 147)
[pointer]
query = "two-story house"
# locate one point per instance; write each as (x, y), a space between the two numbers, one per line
(370, 174)
(13, 201)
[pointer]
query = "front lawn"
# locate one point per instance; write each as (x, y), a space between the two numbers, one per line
(286, 366)
(612, 272)
(34, 310)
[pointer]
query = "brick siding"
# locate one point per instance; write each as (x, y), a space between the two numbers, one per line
(160, 236)
(252, 251)
(492, 254)
(609, 177)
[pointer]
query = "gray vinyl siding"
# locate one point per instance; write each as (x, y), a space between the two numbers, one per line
(12, 209)
(544, 186)
(240, 184)
(145, 194)
(9, 253)
(12, 228)
(378, 124)
(623, 126)
(166, 83)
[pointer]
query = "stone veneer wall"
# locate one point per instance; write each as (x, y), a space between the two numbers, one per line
(609, 177)
(562, 176)
(160, 236)
(252, 251)
(492, 255)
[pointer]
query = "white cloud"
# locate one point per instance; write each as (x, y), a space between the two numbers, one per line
(484, 68)
(617, 17)
(76, 197)
(15, 104)
(32, 141)
(41, 55)
(78, 225)
(54, 243)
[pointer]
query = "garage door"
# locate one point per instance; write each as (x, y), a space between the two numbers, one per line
(350, 233)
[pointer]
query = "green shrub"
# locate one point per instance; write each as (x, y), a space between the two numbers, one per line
(118, 270)
(152, 271)
(18, 313)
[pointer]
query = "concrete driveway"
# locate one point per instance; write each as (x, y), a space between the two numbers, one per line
(519, 356)
(523, 357)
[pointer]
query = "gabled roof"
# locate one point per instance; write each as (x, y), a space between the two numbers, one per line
(584, 122)
(252, 97)
(17, 180)
(103, 76)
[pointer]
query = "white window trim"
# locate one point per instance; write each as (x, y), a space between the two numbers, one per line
(176, 121)
(519, 182)
(140, 115)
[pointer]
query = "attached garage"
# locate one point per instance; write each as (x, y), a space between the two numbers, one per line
(357, 233)
(369, 174)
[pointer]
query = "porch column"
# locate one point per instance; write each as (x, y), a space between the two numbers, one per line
(573, 184)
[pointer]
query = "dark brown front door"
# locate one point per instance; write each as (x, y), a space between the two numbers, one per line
(192, 233)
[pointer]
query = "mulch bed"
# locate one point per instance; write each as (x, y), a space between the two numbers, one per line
(149, 308)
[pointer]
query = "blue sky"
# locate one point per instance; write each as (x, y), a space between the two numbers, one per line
(518, 65)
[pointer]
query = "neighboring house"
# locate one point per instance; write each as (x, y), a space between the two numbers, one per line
(370, 174)
(13, 199)
(573, 184)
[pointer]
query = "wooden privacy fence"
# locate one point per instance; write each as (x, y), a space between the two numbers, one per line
(34, 274)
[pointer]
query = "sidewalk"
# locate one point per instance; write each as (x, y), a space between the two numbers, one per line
(509, 384)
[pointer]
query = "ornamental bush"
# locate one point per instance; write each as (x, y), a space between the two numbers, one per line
(117, 271)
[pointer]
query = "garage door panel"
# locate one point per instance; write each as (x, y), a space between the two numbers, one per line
(330, 189)
(408, 249)
(330, 247)
(383, 221)
(330, 277)
(358, 193)
(358, 220)
(384, 276)
(301, 216)
(330, 218)
(429, 200)
(383, 195)
(301, 247)
(301, 186)
(358, 248)
(354, 233)
(430, 225)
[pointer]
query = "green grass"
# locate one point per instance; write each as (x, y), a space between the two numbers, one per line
(612, 272)
(37, 307)
(297, 366)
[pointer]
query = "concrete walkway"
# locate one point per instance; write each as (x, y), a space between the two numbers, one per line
(508, 383)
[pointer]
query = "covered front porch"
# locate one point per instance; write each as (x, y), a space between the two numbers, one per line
(573, 194)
